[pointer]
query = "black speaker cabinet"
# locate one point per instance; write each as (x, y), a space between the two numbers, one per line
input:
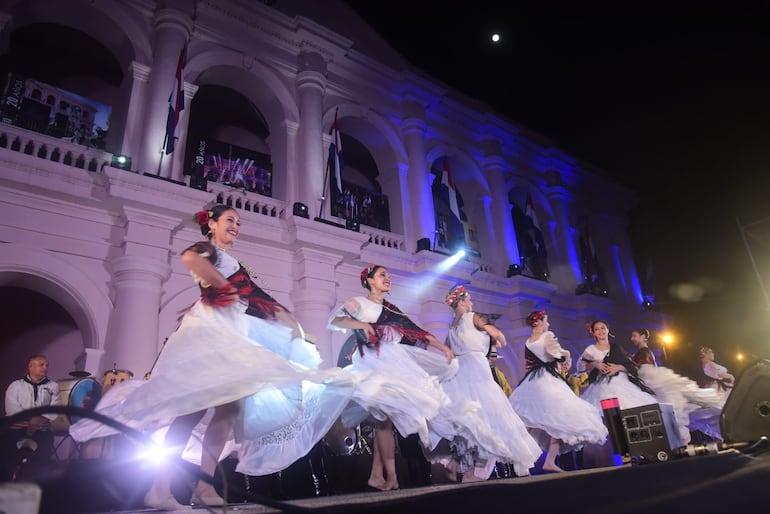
(746, 413)
(651, 432)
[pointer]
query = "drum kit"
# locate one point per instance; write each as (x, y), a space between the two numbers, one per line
(342, 440)
(84, 391)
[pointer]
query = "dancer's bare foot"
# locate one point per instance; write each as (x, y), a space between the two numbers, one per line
(390, 486)
(470, 476)
(377, 483)
(451, 471)
(552, 468)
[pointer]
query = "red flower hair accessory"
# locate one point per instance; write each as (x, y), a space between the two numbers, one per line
(365, 274)
(203, 217)
(536, 316)
(456, 294)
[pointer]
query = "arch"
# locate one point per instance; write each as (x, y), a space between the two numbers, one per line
(253, 79)
(370, 119)
(112, 18)
(385, 146)
(42, 271)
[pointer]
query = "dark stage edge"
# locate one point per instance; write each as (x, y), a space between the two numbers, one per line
(728, 482)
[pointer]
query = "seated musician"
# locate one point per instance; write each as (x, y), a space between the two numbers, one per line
(28, 444)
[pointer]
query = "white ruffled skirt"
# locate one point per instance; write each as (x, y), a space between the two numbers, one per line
(221, 355)
(550, 408)
(691, 403)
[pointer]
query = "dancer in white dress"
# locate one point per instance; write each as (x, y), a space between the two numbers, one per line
(251, 363)
(717, 376)
(717, 380)
(688, 399)
(469, 339)
(611, 373)
(560, 420)
(395, 349)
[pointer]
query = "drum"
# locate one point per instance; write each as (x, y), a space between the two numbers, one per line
(340, 440)
(115, 376)
(83, 393)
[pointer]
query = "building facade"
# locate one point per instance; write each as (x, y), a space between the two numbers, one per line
(89, 258)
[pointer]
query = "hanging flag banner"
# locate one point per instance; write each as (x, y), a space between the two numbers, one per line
(175, 105)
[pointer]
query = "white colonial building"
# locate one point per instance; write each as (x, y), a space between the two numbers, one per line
(90, 273)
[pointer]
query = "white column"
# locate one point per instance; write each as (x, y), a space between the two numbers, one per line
(564, 267)
(311, 164)
(172, 31)
(133, 132)
(418, 203)
(137, 281)
(502, 234)
(314, 297)
(292, 174)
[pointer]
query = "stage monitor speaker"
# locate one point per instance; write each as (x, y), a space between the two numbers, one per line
(746, 413)
(651, 431)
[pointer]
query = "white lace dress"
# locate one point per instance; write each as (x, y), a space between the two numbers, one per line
(220, 355)
(474, 382)
(550, 408)
(618, 386)
(405, 385)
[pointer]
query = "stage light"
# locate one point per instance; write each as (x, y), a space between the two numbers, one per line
(353, 225)
(513, 270)
(120, 161)
(153, 454)
(460, 253)
(647, 305)
(300, 209)
(423, 244)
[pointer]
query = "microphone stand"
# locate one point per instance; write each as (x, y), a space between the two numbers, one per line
(149, 373)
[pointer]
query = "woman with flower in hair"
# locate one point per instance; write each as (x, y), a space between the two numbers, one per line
(250, 360)
(469, 339)
(559, 420)
(404, 390)
(611, 373)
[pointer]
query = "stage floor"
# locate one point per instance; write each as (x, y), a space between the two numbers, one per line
(725, 482)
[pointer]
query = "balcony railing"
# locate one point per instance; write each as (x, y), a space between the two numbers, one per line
(383, 238)
(247, 201)
(52, 149)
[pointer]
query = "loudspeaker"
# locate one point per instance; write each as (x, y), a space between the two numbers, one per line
(651, 432)
(423, 244)
(746, 413)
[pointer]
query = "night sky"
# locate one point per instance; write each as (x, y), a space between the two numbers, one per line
(673, 102)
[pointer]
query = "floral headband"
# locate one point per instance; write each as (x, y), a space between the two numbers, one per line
(533, 318)
(202, 217)
(455, 295)
(366, 272)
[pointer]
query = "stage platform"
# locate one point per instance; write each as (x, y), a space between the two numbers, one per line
(728, 481)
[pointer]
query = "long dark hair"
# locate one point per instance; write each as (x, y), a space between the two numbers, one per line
(213, 214)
